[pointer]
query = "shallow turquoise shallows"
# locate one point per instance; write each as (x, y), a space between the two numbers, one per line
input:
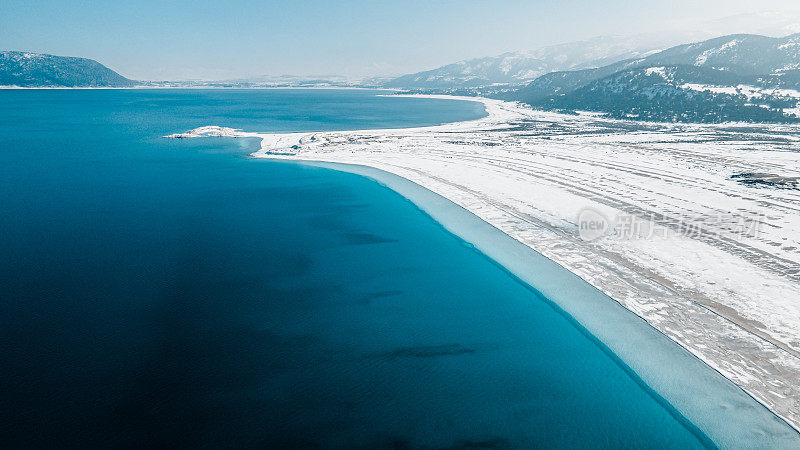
(176, 293)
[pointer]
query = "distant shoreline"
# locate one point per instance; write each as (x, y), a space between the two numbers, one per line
(196, 87)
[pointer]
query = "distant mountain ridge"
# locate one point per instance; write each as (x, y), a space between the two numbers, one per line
(25, 69)
(517, 68)
(736, 77)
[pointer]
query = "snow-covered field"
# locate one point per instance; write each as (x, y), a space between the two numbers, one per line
(647, 213)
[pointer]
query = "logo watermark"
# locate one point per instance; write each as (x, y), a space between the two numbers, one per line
(593, 224)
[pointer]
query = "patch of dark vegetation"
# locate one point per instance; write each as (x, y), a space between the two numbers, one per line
(767, 180)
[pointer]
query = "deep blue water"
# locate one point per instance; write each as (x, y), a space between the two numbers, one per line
(175, 293)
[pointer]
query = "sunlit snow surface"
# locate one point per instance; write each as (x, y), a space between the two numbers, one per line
(717, 267)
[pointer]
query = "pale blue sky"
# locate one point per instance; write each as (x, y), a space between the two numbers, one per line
(223, 39)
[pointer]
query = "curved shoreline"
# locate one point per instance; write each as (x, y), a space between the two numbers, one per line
(698, 393)
(294, 145)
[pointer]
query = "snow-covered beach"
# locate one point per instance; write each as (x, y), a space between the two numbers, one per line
(694, 228)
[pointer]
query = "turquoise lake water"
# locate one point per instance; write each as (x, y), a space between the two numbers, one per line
(176, 293)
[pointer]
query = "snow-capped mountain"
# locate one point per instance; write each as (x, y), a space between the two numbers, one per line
(743, 54)
(668, 94)
(719, 79)
(517, 68)
(521, 67)
(37, 70)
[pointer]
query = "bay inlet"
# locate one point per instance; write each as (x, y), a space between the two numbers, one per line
(177, 292)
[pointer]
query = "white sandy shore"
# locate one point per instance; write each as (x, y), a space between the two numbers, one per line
(708, 261)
